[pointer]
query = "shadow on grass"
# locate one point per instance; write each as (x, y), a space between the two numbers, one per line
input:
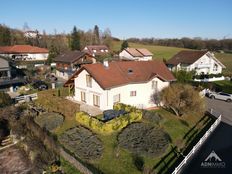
(171, 160)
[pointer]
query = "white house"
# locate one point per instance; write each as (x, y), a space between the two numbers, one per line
(203, 62)
(24, 52)
(128, 82)
(140, 54)
(31, 34)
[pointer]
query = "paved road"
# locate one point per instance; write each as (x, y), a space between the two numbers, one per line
(220, 142)
(221, 107)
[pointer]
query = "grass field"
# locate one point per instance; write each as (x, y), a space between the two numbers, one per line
(161, 52)
(226, 59)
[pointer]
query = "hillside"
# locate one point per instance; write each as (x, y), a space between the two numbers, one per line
(161, 52)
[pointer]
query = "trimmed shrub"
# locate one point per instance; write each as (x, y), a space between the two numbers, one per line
(49, 121)
(144, 139)
(127, 108)
(115, 124)
(82, 143)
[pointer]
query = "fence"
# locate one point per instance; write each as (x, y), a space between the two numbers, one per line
(26, 97)
(198, 145)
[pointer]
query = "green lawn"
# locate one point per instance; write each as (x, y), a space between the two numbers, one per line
(159, 52)
(116, 160)
(226, 59)
(68, 168)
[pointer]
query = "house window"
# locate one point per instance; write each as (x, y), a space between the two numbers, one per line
(215, 67)
(88, 81)
(154, 85)
(133, 93)
(96, 100)
(116, 98)
(83, 96)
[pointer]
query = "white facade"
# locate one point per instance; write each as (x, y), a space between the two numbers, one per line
(27, 56)
(125, 55)
(138, 94)
(63, 75)
(207, 64)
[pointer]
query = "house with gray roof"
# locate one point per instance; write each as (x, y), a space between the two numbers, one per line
(68, 62)
(202, 62)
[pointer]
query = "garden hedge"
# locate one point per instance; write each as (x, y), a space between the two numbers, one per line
(113, 125)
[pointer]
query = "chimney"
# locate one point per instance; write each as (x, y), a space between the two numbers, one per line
(106, 63)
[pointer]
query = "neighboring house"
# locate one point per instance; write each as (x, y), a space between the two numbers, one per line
(128, 82)
(4, 69)
(24, 52)
(203, 62)
(139, 54)
(31, 34)
(96, 50)
(6, 79)
(69, 62)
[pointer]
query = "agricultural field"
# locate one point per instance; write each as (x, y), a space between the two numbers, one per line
(160, 52)
(163, 52)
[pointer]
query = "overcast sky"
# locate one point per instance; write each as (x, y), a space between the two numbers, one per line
(125, 18)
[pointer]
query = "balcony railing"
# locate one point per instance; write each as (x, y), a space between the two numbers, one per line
(203, 66)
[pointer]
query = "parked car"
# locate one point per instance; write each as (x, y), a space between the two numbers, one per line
(221, 96)
(40, 85)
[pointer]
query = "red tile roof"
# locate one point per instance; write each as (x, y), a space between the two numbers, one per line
(186, 57)
(122, 73)
(22, 49)
(138, 52)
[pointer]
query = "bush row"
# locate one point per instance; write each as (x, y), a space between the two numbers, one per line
(115, 124)
(52, 103)
(207, 76)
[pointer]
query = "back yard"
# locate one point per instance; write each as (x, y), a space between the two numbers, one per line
(118, 153)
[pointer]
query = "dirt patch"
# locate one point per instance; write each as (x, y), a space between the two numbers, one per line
(14, 160)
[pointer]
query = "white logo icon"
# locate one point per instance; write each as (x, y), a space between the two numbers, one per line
(213, 157)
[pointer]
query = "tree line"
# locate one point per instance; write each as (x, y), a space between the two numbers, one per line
(77, 39)
(191, 43)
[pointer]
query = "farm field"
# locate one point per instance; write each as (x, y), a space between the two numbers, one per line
(163, 52)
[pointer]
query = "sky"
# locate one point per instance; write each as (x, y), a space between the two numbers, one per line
(125, 18)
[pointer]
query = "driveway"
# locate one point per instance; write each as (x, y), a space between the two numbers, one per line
(220, 142)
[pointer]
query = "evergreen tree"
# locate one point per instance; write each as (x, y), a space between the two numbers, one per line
(5, 36)
(96, 34)
(53, 52)
(75, 40)
(124, 45)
